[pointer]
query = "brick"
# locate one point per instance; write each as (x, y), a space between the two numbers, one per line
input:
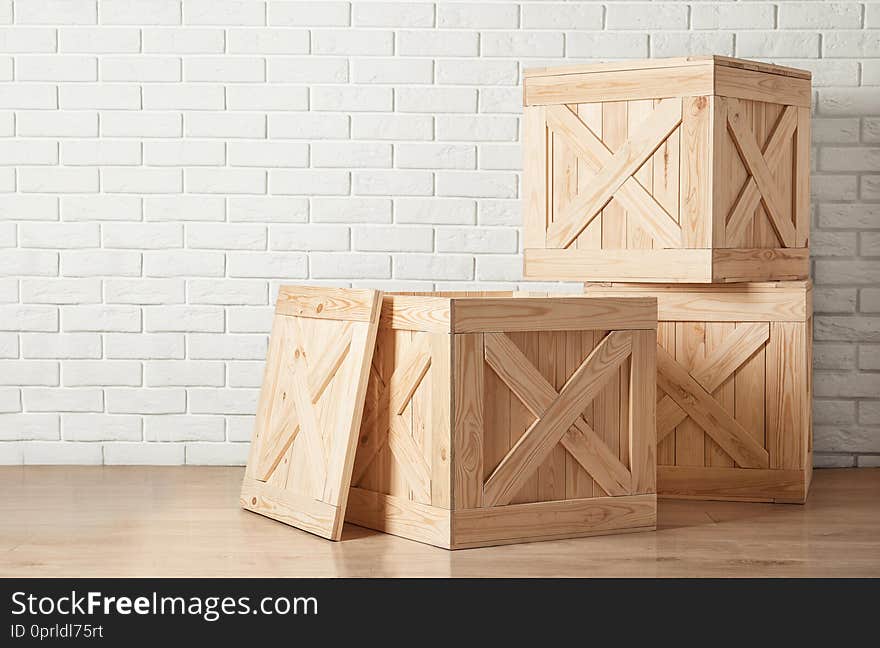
(392, 127)
(353, 43)
(270, 97)
(222, 124)
(174, 40)
(144, 291)
(101, 373)
(224, 69)
(8, 345)
(686, 43)
(308, 126)
(265, 209)
(351, 210)
(392, 70)
(341, 266)
(222, 181)
(869, 357)
(41, 123)
(184, 428)
(848, 102)
(521, 44)
(641, 16)
(250, 320)
(500, 100)
(845, 439)
(29, 96)
(101, 318)
(828, 355)
(239, 428)
(144, 69)
(828, 72)
(226, 236)
(438, 211)
(500, 157)
(437, 43)
(393, 239)
(244, 292)
(854, 328)
(606, 45)
(268, 154)
(144, 236)
(477, 15)
(140, 12)
(61, 291)
(154, 400)
(476, 240)
(17, 373)
(65, 453)
(311, 237)
(217, 454)
(29, 427)
(18, 207)
(56, 68)
(834, 412)
(98, 40)
(308, 14)
(434, 267)
(871, 130)
(770, 44)
(223, 401)
(143, 345)
(847, 271)
(307, 70)
(838, 244)
(182, 208)
(850, 159)
(476, 72)
(57, 180)
(184, 373)
(351, 98)
(27, 40)
(350, 155)
(268, 41)
(101, 208)
(832, 461)
(268, 264)
(165, 319)
(850, 44)
(246, 374)
(499, 268)
(151, 454)
(859, 216)
(100, 153)
(184, 153)
(834, 300)
(10, 400)
(162, 96)
(870, 244)
(223, 12)
(56, 399)
(141, 180)
(476, 184)
(434, 100)
(31, 263)
(561, 16)
(308, 182)
(732, 16)
(869, 413)
(393, 14)
(23, 317)
(227, 346)
(435, 156)
(141, 124)
(869, 187)
(56, 12)
(183, 263)
(869, 300)
(833, 187)
(481, 128)
(397, 183)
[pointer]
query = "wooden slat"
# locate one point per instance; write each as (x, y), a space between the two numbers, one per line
(749, 391)
(708, 414)
(416, 313)
(690, 440)
(578, 344)
(557, 314)
(642, 414)
(548, 430)
(549, 520)
(536, 393)
(731, 265)
(591, 115)
(686, 266)
(614, 135)
(637, 236)
(399, 516)
(535, 163)
(695, 172)
(326, 303)
(738, 484)
(287, 506)
(758, 86)
(467, 430)
(786, 391)
(441, 420)
(627, 159)
(409, 459)
(551, 472)
(802, 178)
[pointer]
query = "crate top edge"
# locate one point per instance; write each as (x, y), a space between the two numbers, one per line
(708, 61)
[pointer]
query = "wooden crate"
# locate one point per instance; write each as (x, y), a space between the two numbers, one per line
(670, 170)
(493, 419)
(734, 412)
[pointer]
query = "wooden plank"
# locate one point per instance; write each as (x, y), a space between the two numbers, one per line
(578, 482)
(416, 313)
(288, 506)
(752, 302)
(557, 314)
(690, 346)
(666, 174)
(400, 517)
(667, 265)
(642, 415)
(708, 414)
(638, 235)
(679, 61)
(718, 336)
(322, 302)
(535, 176)
(786, 394)
(591, 116)
(441, 420)
(730, 265)
(666, 428)
(758, 86)
(695, 172)
(740, 484)
(631, 154)
(467, 430)
(551, 472)
(545, 520)
(749, 391)
(531, 449)
(521, 418)
(802, 178)
(614, 135)
(623, 85)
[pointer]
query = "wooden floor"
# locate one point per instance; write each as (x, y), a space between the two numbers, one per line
(185, 521)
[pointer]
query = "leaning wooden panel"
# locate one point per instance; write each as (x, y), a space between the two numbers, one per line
(310, 407)
(733, 137)
(532, 400)
(734, 410)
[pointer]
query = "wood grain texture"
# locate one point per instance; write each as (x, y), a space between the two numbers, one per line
(734, 484)
(326, 303)
(535, 162)
(759, 86)
(416, 313)
(642, 413)
(467, 426)
(666, 265)
(399, 516)
(695, 172)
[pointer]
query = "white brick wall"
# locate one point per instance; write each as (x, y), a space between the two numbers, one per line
(166, 164)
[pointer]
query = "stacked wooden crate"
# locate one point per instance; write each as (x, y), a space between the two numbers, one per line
(688, 180)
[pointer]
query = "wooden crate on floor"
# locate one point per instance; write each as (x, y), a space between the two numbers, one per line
(669, 170)
(493, 419)
(734, 387)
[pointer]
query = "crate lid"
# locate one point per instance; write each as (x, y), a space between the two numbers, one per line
(686, 61)
(310, 408)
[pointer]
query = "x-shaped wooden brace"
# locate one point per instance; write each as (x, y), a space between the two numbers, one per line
(558, 416)
(383, 424)
(615, 172)
(760, 186)
(297, 411)
(689, 393)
